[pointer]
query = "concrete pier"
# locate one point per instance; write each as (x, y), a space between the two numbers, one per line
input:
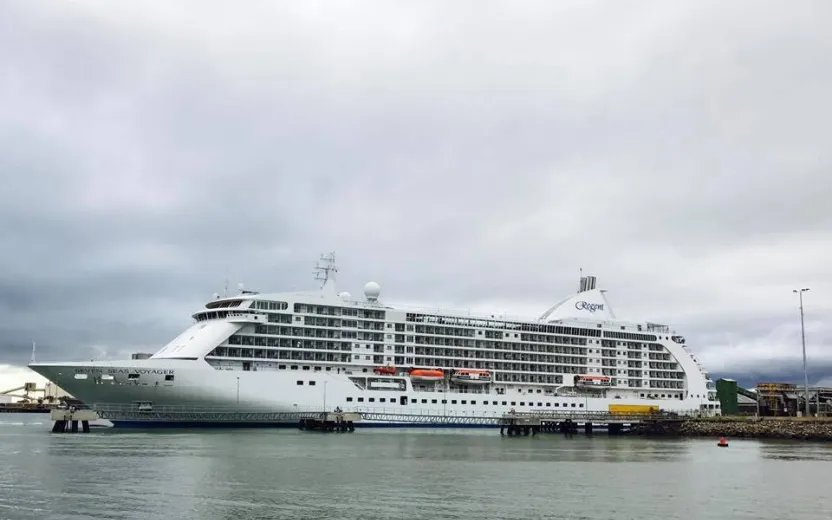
(67, 420)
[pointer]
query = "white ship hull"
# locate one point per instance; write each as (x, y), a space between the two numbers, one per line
(202, 396)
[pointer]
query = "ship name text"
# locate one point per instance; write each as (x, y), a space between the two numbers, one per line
(145, 371)
(591, 307)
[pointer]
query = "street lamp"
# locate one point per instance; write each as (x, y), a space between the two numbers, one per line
(803, 340)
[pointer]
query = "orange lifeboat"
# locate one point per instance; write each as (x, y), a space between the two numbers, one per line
(387, 370)
(423, 374)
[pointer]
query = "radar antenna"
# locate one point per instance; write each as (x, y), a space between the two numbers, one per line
(325, 269)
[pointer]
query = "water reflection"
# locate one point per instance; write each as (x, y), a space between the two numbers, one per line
(394, 474)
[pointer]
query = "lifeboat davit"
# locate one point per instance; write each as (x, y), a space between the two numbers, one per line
(469, 376)
(593, 381)
(422, 374)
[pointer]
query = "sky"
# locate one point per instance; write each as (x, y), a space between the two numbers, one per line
(472, 155)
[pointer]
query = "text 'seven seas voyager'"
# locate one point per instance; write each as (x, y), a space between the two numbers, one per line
(99, 370)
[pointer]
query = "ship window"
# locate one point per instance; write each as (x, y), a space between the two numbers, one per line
(349, 399)
(581, 405)
(381, 399)
(504, 403)
(371, 399)
(453, 401)
(424, 401)
(513, 403)
(463, 402)
(81, 376)
(444, 401)
(539, 404)
(317, 369)
(474, 402)
(299, 383)
(573, 405)
(548, 404)
(433, 401)
(306, 368)
(169, 377)
(522, 403)
(132, 376)
(294, 367)
(311, 383)
(360, 399)
(494, 403)
(281, 367)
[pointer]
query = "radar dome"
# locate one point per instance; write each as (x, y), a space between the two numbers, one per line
(372, 290)
(345, 295)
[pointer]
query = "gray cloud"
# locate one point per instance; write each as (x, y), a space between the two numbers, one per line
(466, 157)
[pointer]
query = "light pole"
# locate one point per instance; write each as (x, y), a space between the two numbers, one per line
(803, 340)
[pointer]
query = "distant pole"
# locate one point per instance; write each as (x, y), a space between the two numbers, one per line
(757, 398)
(803, 340)
(324, 396)
(238, 389)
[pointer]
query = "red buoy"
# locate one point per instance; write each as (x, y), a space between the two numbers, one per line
(723, 442)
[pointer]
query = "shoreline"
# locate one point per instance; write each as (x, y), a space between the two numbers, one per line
(792, 428)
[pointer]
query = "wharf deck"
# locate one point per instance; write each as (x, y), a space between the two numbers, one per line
(185, 415)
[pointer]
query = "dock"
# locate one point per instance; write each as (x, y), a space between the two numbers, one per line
(67, 420)
(340, 422)
(542, 421)
(513, 423)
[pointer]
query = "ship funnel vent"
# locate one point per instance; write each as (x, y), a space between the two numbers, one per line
(590, 283)
(587, 283)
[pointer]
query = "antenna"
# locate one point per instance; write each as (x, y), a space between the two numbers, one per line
(325, 269)
(225, 292)
(33, 353)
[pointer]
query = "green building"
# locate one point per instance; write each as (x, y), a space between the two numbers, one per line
(726, 392)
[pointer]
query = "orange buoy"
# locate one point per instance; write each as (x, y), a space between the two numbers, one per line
(723, 442)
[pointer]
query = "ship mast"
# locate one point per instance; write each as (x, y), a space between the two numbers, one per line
(325, 271)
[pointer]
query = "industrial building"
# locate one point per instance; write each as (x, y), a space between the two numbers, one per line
(772, 399)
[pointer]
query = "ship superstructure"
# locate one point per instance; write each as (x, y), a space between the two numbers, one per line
(322, 349)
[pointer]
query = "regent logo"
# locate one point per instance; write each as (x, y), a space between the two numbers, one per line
(97, 370)
(591, 307)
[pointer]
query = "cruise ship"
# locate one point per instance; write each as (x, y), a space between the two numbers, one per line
(257, 358)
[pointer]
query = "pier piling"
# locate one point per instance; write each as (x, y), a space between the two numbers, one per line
(67, 421)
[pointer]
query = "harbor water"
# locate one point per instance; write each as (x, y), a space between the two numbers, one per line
(387, 474)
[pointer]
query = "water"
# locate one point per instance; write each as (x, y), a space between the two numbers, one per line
(387, 474)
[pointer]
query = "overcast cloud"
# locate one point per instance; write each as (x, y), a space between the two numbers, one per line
(468, 154)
